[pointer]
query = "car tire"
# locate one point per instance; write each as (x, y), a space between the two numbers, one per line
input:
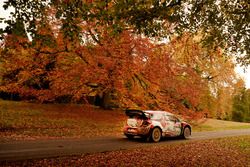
(155, 135)
(186, 133)
(129, 136)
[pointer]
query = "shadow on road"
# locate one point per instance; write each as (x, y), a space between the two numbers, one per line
(143, 140)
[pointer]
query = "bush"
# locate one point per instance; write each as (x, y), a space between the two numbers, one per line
(238, 116)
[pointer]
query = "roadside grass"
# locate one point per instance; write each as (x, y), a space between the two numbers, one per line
(21, 121)
(216, 125)
(30, 121)
(223, 152)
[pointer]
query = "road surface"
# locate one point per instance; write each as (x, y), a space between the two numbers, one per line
(22, 150)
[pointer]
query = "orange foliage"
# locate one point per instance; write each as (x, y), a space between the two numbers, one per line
(136, 71)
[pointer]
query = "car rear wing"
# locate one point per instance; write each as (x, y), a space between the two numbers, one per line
(138, 113)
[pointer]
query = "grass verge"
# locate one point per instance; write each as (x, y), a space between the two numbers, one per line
(215, 125)
(29, 121)
(21, 121)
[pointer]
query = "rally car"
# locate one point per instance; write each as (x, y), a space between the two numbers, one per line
(154, 125)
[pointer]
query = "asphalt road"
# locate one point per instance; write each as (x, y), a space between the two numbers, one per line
(22, 150)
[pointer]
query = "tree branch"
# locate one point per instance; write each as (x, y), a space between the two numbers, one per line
(94, 37)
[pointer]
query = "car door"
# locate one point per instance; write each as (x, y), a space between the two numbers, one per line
(169, 128)
(175, 125)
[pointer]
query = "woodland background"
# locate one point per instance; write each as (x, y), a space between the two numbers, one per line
(175, 55)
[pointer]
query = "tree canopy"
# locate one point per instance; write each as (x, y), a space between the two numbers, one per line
(241, 106)
(115, 52)
(224, 23)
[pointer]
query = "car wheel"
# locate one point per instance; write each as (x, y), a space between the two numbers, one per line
(156, 135)
(130, 136)
(186, 133)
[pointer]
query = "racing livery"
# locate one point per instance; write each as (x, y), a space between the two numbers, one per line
(154, 125)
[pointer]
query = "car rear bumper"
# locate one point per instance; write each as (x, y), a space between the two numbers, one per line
(138, 131)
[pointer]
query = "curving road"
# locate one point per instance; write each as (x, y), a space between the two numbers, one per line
(22, 150)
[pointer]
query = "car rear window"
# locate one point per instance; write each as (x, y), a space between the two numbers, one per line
(136, 117)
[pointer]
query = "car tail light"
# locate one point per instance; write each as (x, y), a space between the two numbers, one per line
(147, 122)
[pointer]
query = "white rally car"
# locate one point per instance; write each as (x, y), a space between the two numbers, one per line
(154, 125)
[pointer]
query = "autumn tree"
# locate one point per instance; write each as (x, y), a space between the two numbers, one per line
(100, 51)
(209, 76)
(224, 23)
(241, 106)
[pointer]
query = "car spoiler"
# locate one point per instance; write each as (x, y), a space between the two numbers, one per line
(139, 113)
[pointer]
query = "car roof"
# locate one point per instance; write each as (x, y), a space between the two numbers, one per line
(160, 112)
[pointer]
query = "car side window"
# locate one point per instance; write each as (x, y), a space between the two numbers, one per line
(167, 118)
(173, 119)
(156, 116)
